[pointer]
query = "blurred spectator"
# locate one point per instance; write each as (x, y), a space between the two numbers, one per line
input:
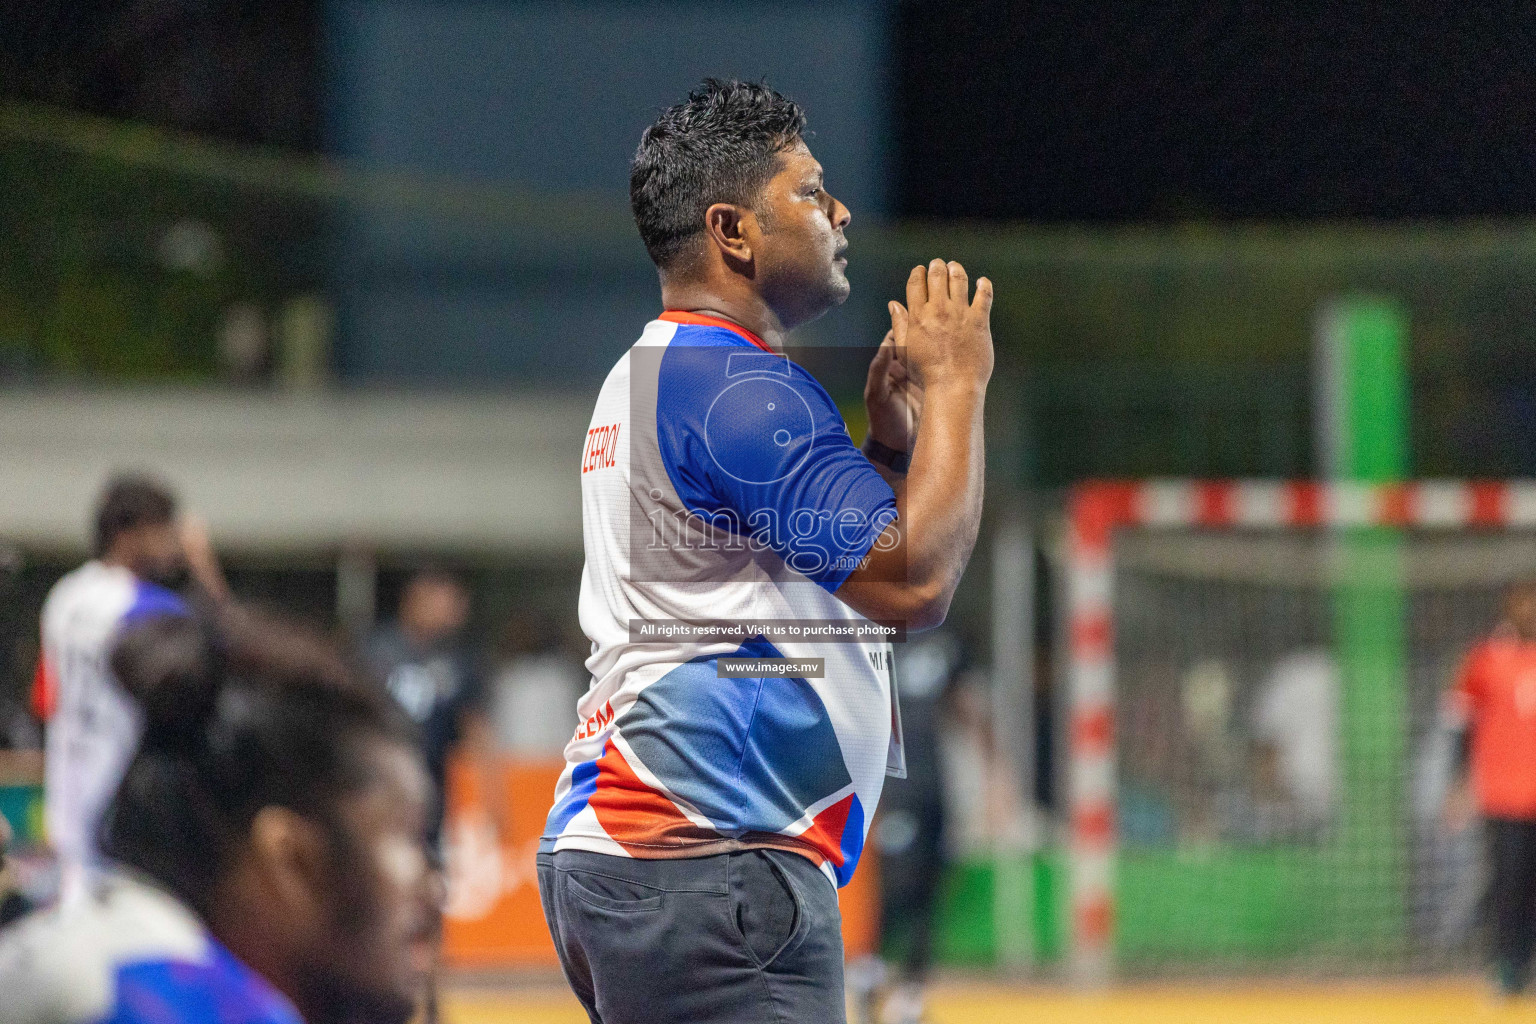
(1494, 703)
(1295, 732)
(1447, 903)
(536, 688)
(268, 858)
(143, 549)
(910, 835)
(1210, 758)
(422, 661)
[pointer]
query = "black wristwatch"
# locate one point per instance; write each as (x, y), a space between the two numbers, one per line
(890, 458)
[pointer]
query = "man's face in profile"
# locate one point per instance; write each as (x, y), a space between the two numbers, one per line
(386, 901)
(800, 252)
(153, 552)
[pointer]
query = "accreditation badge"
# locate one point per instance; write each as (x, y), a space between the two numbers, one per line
(896, 753)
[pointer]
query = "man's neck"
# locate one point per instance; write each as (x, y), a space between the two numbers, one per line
(115, 561)
(746, 310)
(242, 931)
(419, 640)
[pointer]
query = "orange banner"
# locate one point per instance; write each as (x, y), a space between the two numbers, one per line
(494, 919)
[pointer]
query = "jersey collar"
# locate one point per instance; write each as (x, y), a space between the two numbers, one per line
(683, 316)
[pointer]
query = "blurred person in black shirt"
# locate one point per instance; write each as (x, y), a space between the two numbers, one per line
(910, 835)
(423, 663)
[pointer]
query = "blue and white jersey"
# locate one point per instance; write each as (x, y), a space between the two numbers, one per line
(93, 725)
(719, 485)
(128, 953)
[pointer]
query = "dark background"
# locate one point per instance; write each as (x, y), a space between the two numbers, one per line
(1121, 112)
(1166, 111)
(243, 71)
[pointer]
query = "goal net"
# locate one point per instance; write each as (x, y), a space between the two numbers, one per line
(1257, 758)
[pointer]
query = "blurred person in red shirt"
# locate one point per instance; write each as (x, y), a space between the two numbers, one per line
(1493, 706)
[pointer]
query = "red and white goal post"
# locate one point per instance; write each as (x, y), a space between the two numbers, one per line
(1096, 511)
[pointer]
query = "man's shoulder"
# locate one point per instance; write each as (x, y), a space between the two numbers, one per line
(1499, 651)
(92, 595)
(89, 580)
(220, 988)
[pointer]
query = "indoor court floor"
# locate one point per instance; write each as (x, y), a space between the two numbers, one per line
(1453, 1002)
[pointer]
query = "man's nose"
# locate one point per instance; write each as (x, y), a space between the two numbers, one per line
(840, 215)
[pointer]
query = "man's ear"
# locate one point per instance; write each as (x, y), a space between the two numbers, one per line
(728, 226)
(289, 852)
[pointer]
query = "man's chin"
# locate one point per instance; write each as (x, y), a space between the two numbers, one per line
(840, 285)
(349, 1007)
(835, 294)
(339, 1000)
(807, 301)
(172, 577)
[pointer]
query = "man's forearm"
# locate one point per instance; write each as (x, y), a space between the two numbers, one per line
(940, 511)
(911, 572)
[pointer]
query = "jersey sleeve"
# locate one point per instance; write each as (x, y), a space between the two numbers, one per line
(150, 601)
(751, 440)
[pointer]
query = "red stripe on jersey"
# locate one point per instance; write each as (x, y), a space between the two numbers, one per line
(634, 814)
(826, 831)
(683, 316)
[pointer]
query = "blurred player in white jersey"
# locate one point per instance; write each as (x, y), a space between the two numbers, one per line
(142, 551)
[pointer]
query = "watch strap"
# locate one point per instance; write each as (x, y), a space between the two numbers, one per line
(890, 458)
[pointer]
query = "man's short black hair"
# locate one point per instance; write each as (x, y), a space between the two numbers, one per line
(239, 714)
(131, 501)
(719, 146)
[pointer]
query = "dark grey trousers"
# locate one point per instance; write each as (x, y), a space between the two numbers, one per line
(1512, 895)
(746, 937)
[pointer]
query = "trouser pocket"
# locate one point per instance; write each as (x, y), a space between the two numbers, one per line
(765, 905)
(607, 892)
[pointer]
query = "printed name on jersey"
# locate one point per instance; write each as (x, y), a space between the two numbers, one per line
(594, 724)
(602, 443)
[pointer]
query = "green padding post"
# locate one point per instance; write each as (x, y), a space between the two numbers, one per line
(1371, 360)
(1369, 621)
(1363, 434)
